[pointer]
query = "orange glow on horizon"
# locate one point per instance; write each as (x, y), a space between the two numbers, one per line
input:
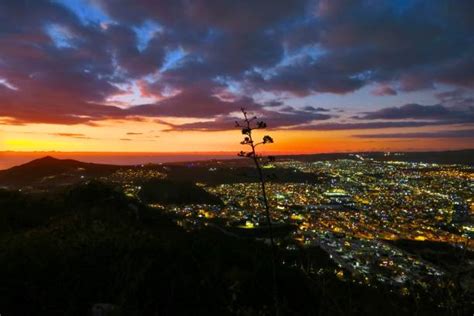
(148, 136)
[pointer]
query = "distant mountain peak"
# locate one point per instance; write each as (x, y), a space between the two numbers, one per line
(50, 171)
(46, 158)
(48, 161)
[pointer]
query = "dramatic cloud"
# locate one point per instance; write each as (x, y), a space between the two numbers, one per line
(384, 90)
(287, 118)
(416, 42)
(241, 16)
(426, 112)
(366, 125)
(193, 102)
(71, 62)
(305, 78)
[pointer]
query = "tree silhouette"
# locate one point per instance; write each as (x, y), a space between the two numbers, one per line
(248, 125)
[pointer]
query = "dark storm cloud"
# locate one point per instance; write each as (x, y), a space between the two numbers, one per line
(224, 55)
(458, 98)
(425, 112)
(334, 126)
(54, 84)
(363, 42)
(122, 43)
(305, 78)
(193, 102)
(58, 69)
(415, 42)
(289, 117)
(409, 115)
(313, 109)
(244, 15)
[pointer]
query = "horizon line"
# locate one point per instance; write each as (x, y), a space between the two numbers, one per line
(203, 153)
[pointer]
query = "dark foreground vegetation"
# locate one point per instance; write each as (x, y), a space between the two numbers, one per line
(62, 252)
(170, 192)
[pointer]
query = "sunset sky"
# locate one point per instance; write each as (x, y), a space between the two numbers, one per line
(171, 75)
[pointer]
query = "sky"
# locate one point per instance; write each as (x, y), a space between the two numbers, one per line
(172, 75)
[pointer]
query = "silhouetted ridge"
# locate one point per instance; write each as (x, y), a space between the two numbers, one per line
(45, 158)
(51, 161)
(49, 170)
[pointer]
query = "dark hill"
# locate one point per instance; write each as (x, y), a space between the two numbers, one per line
(240, 174)
(101, 246)
(170, 192)
(49, 171)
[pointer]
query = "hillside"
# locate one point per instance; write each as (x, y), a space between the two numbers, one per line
(170, 192)
(50, 171)
(441, 157)
(100, 246)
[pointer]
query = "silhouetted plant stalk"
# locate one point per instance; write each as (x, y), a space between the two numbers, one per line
(248, 125)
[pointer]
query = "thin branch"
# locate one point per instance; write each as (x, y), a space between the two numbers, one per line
(248, 140)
